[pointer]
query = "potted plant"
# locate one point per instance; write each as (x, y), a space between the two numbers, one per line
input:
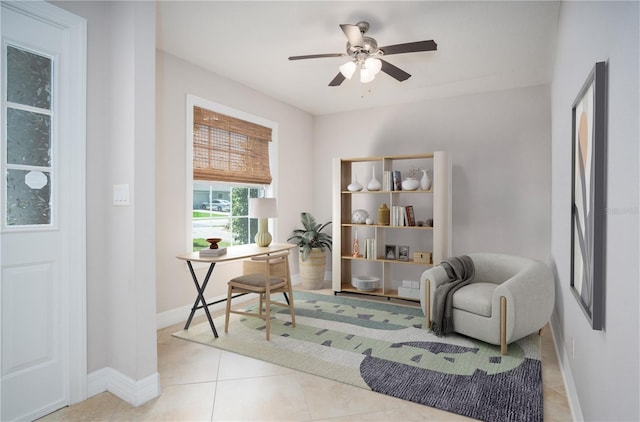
(312, 242)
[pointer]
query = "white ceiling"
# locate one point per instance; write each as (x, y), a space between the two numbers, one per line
(482, 46)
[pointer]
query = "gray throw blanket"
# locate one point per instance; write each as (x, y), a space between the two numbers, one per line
(461, 272)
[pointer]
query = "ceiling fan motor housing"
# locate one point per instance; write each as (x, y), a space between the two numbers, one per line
(369, 48)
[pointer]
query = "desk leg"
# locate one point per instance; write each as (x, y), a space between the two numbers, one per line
(200, 297)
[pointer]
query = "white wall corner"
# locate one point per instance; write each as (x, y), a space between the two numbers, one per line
(133, 392)
(565, 369)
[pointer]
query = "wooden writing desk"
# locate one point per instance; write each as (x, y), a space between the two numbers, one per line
(233, 253)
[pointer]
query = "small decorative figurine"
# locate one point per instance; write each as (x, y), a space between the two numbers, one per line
(356, 247)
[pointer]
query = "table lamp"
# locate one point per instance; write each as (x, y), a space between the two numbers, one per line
(263, 209)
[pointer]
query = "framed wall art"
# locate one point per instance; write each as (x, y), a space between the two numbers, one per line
(588, 195)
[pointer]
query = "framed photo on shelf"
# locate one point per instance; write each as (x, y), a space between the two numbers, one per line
(403, 253)
(588, 195)
(390, 252)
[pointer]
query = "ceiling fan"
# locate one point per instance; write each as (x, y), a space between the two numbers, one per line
(366, 55)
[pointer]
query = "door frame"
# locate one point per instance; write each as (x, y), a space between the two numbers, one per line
(74, 84)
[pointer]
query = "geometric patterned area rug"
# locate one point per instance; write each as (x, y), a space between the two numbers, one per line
(383, 347)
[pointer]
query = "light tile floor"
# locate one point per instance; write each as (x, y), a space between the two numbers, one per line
(201, 383)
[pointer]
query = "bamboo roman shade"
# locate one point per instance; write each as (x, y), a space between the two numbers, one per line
(227, 149)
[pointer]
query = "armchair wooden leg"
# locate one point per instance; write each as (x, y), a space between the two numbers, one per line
(503, 325)
(427, 303)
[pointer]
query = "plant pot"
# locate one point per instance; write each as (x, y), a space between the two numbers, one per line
(312, 270)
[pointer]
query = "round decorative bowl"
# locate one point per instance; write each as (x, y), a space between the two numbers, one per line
(214, 242)
(359, 216)
(410, 184)
(365, 283)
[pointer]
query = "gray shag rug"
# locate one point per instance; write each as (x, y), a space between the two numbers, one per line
(383, 347)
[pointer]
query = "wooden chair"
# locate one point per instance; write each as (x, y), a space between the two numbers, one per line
(264, 284)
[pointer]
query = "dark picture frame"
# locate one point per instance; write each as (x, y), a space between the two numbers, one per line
(588, 195)
(390, 252)
(403, 253)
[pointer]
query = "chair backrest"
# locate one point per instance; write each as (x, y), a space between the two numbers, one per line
(498, 268)
(274, 258)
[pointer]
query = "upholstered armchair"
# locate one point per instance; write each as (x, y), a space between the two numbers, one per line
(509, 298)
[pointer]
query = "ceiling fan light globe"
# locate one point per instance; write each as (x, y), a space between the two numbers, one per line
(373, 66)
(348, 69)
(366, 76)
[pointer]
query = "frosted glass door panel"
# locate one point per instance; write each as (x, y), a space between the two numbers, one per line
(28, 78)
(29, 138)
(28, 198)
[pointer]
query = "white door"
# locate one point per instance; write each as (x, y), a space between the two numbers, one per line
(41, 187)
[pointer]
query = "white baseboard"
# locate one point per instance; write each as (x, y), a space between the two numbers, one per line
(133, 392)
(565, 368)
(174, 316)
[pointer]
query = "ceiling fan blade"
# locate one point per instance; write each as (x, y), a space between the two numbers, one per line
(410, 47)
(316, 56)
(353, 34)
(337, 80)
(394, 71)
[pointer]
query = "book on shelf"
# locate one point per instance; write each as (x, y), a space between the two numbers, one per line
(411, 218)
(212, 252)
(370, 249)
(386, 181)
(397, 180)
(399, 216)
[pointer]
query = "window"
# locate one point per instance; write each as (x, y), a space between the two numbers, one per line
(220, 210)
(229, 162)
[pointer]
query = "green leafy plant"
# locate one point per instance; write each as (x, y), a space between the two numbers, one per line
(311, 236)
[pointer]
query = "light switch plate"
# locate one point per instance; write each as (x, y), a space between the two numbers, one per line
(121, 195)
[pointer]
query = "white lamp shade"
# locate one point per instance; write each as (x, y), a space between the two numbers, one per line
(366, 76)
(372, 65)
(348, 69)
(263, 207)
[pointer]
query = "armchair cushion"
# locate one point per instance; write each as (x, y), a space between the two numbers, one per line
(475, 298)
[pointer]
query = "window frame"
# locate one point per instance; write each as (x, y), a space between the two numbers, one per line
(269, 190)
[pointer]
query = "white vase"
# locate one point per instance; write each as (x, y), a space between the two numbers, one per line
(373, 183)
(359, 216)
(425, 182)
(355, 186)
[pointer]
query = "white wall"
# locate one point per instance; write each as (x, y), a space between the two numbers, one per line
(605, 365)
(120, 150)
(175, 79)
(500, 148)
